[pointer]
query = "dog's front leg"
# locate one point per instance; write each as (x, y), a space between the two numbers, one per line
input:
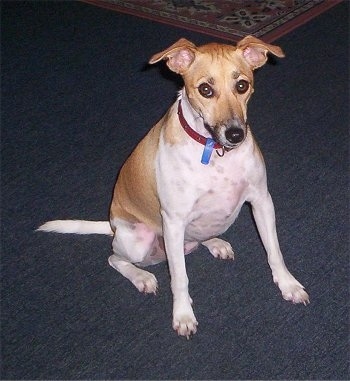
(184, 321)
(264, 215)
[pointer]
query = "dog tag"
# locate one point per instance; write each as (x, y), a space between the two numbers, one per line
(207, 151)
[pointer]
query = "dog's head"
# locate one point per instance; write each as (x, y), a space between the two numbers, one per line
(219, 81)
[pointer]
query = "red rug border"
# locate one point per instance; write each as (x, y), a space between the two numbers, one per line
(300, 20)
(268, 37)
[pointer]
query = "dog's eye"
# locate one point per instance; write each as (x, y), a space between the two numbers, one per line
(206, 90)
(242, 86)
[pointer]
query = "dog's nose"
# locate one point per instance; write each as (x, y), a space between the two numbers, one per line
(234, 135)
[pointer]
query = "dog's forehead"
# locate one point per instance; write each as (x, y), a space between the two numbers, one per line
(221, 60)
(215, 48)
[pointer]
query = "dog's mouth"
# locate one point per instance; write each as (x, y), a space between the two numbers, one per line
(230, 135)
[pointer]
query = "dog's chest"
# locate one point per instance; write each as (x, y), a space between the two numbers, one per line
(209, 197)
(221, 194)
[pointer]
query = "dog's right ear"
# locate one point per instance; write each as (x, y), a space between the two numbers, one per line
(178, 56)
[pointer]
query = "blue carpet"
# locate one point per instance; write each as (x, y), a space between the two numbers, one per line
(77, 96)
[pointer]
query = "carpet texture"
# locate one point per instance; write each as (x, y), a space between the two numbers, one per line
(228, 19)
(77, 96)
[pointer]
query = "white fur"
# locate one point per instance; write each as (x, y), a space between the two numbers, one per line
(77, 227)
(197, 202)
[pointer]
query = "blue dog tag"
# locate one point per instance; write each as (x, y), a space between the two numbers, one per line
(207, 151)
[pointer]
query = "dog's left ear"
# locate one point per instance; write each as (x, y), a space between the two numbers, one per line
(178, 56)
(255, 51)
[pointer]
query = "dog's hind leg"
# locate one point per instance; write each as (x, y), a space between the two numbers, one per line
(134, 243)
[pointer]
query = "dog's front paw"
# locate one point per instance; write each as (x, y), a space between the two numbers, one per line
(296, 295)
(292, 290)
(219, 248)
(184, 321)
(185, 325)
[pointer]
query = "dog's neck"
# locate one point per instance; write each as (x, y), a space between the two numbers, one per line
(199, 133)
(192, 133)
(192, 117)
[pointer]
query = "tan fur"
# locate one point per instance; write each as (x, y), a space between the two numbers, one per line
(175, 192)
(170, 125)
(135, 196)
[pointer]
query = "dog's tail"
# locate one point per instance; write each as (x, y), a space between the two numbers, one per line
(77, 227)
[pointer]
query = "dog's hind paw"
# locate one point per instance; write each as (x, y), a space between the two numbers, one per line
(219, 248)
(146, 282)
(143, 280)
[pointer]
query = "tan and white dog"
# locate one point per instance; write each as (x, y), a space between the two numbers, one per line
(186, 181)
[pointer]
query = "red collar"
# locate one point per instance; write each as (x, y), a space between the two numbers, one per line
(191, 132)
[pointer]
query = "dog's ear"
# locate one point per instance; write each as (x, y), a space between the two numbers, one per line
(255, 51)
(179, 56)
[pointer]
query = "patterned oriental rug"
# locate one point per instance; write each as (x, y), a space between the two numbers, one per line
(227, 19)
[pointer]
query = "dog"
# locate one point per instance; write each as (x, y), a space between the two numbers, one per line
(186, 181)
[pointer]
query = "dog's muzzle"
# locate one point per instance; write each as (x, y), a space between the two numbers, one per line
(235, 135)
(229, 135)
